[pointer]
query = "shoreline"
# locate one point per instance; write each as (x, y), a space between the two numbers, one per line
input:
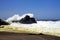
(22, 36)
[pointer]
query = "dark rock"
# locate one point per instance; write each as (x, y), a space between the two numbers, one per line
(15, 21)
(27, 20)
(2, 22)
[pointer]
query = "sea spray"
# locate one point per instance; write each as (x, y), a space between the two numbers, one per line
(18, 17)
(45, 27)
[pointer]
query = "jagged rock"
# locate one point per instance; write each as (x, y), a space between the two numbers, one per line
(27, 20)
(2, 22)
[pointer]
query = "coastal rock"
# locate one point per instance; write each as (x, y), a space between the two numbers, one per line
(27, 20)
(2, 22)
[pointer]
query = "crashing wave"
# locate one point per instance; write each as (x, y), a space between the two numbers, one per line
(45, 27)
(18, 17)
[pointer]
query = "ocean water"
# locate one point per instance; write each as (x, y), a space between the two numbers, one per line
(45, 27)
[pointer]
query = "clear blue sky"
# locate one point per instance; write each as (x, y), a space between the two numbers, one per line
(42, 9)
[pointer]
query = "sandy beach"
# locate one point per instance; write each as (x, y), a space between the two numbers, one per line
(22, 36)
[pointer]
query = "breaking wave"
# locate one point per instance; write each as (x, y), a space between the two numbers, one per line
(39, 23)
(18, 17)
(42, 26)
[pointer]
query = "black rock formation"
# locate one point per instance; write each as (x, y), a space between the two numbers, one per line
(15, 21)
(27, 20)
(2, 22)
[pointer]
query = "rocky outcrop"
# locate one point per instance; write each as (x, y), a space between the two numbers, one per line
(2, 22)
(27, 20)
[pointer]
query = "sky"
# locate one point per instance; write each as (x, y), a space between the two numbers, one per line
(42, 9)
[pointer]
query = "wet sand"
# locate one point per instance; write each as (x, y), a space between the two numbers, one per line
(22, 36)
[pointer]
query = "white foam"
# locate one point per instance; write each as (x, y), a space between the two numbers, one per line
(29, 14)
(15, 17)
(42, 26)
(18, 17)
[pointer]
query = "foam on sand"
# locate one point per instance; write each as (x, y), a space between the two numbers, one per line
(45, 27)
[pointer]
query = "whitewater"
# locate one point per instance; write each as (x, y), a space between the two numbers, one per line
(45, 27)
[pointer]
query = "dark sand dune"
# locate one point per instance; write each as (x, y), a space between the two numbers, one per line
(21, 36)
